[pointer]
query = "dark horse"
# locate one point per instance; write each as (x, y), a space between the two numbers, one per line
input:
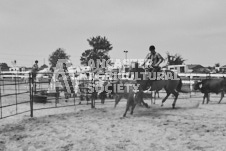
(154, 80)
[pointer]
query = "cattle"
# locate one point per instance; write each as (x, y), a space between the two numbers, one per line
(134, 97)
(207, 86)
(132, 100)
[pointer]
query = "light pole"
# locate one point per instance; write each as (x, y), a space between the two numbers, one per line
(125, 53)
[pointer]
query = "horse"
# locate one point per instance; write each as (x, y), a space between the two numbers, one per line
(167, 80)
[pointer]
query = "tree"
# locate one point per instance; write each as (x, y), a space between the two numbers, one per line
(43, 67)
(174, 59)
(100, 48)
(216, 67)
(217, 64)
(4, 67)
(58, 54)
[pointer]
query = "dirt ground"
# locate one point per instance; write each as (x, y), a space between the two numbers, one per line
(191, 126)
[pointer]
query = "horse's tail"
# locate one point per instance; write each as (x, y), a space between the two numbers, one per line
(179, 87)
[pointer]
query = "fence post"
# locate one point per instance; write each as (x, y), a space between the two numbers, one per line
(1, 92)
(74, 87)
(31, 93)
(190, 77)
(15, 80)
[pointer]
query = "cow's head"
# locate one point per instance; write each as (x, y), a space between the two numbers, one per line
(196, 85)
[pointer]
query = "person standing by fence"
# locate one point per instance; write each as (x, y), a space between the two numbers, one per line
(34, 73)
(35, 69)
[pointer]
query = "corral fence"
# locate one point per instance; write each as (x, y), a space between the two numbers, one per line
(24, 94)
(27, 94)
(13, 93)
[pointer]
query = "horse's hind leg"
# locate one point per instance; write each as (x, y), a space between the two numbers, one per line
(222, 95)
(167, 95)
(175, 93)
(158, 93)
(155, 96)
(127, 108)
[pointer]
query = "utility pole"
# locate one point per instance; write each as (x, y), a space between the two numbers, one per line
(125, 66)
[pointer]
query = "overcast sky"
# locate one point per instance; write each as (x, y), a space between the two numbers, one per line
(33, 29)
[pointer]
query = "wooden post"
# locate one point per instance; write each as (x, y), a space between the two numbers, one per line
(16, 91)
(1, 92)
(190, 77)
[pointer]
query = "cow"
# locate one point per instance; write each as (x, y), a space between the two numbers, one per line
(207, 86)
(132, 99)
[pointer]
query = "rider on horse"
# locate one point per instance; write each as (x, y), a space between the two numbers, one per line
(155, 58)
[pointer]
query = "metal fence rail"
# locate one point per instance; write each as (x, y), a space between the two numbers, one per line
(10, 92)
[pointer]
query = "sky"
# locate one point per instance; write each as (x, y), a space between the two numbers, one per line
(32, 29)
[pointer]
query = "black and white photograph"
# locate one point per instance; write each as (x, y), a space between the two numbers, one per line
(112, 75)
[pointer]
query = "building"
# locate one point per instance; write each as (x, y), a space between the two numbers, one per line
(222, 69)
(186, 68)
(178, 68)
(18, 68)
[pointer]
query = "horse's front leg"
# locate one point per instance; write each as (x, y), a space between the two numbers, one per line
(175, 93)
(167, 95)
